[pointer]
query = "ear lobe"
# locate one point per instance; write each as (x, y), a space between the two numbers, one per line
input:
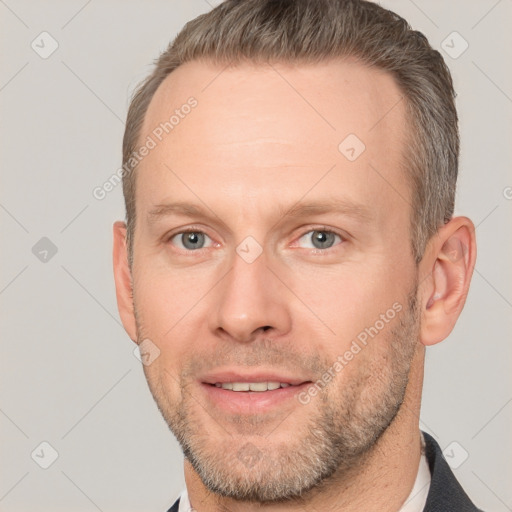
(450, 263)
(123, 280)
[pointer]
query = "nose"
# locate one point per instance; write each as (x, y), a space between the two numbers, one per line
(250, 301)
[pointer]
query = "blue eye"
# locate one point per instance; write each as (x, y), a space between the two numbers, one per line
(191, 240)
(320, 239)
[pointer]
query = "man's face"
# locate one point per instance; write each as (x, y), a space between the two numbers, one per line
(298, 257)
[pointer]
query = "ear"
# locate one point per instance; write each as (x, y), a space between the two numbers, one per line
(446, 267)
(123, 280)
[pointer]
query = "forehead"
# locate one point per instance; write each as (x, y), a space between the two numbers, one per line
(275, 127)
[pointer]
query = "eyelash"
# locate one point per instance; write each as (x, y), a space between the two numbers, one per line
(191, 229)
(323, 229)
(315, 251)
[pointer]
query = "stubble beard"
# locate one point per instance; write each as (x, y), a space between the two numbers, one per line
(343, 425)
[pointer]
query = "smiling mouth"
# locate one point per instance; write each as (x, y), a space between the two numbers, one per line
(253, 386)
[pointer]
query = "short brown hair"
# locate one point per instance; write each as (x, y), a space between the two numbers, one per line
(315, 31)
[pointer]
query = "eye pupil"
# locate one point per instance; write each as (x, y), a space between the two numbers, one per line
(192, 240)
(322, 239)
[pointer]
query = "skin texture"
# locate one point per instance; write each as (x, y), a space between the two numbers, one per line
(261, 140)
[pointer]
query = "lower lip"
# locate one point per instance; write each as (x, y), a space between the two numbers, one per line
(251, 402)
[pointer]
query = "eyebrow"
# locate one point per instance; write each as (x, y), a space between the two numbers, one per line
(338, 206)
(179, 208)
(298, 210)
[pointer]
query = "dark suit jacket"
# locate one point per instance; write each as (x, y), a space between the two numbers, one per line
(445, 494)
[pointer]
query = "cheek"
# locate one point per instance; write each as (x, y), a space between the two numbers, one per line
(166, 298)
(353, 309)
(345, 299)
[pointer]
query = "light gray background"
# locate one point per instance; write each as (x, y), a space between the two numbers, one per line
(68, 373)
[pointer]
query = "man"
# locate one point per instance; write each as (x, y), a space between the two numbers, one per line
(289, 252)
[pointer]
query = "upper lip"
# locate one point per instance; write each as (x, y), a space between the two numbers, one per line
(261, 376)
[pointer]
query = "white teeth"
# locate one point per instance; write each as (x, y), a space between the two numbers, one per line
(251, 386)
(258, 386)
(240, 386)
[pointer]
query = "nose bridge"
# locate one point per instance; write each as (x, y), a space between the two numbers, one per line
(249, 298)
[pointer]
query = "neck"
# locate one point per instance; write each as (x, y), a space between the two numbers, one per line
(383, 481)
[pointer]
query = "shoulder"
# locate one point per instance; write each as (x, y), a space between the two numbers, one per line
(175, 506)
(445, 494)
